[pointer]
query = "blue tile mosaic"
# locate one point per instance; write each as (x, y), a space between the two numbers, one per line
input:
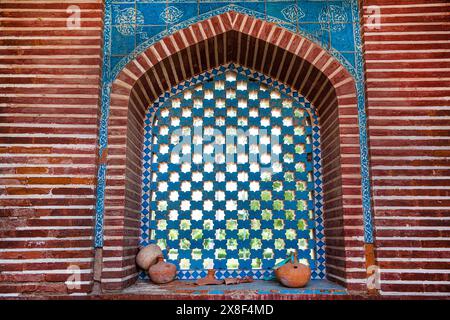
(349, 56)
(257, 6)
(254, 6)
(320, 36)
(288, 11)
(153, 13)
(123, 36)
(205, 7)
(114, 60)
(145, 31)
(296, 16)
(311, 10)
(123, 14)
(177, 12)
(342, 37)
(121, 46)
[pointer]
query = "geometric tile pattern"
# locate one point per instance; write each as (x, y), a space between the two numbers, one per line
(211, 198)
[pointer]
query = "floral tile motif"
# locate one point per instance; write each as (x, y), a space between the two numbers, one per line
(154, 13)
(298, 16)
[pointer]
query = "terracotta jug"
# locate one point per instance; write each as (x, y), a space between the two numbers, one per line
(210, 279)
(148, 256)
(162, 272)
(293, 274)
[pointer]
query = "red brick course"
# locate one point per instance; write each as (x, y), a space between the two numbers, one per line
(48, 154)
(408, 96)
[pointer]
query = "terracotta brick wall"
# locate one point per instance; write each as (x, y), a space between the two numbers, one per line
(408, 87)
(49, 92)
(49, 95)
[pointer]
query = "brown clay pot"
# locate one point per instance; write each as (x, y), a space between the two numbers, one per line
(162, 272)
(210, 279)
(293, 274)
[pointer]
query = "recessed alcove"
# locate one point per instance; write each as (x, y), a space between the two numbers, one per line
(232, 177)
(309, 77)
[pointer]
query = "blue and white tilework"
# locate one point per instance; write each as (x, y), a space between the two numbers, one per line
(252, 220)
(131, 26)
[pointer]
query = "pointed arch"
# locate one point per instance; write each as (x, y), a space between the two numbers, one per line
(271, 50)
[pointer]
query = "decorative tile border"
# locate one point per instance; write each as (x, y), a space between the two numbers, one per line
(111, 75)
(320, 271)
(362, 123)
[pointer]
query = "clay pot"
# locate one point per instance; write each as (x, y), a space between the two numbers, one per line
(162, 272)
(210, 279)
(293, 274)
(148, 256)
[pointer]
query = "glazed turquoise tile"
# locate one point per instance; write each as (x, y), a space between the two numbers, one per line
(311, 10)
(124, 13)
(253, 8)
(115, 59)
(258, 6)
(178, 12)
(342, 36)
(147, 32)
(350, 57)
(288, 11)
(153, 13)
(316, 33)
(124, 38)
(205, 7)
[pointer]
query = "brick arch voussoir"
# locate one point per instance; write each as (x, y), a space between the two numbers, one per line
(310, 51)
